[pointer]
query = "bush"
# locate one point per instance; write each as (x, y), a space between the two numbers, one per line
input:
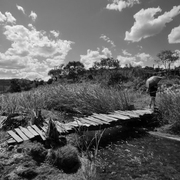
(38, 152)
(169, 106)
(67, 159)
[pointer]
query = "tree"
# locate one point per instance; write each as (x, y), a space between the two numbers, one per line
(107, 63)
(74, 68)
(14, 86)
(167, 57)
(57, 72)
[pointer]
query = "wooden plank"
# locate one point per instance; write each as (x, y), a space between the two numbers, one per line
(73, 124)
(11, 141)
(127, 113)
(62, 126)
(138, 112)
(106, 117)
(26, 132)
(99, 121)
(44, 128)
(119, 116)
(32, 131)
(39, 132)
(21, 134)
(88, 122)
(145, 111)
(81, 124)
(15, 136)
(102, 118)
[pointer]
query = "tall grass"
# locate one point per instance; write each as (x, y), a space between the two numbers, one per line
(169, 106)
(82, 98)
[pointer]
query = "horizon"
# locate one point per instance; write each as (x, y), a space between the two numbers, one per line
(36, 36)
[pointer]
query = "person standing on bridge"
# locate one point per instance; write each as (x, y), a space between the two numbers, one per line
(152, 87)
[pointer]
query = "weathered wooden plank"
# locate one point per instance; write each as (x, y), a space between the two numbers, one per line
(73, 124)
(21, 134)
(11, 141)
(39, 132)
(44, 128)
(32, 131)
(98, 116)
(128, 113)
(99, 121)
(86, 121)
(62, 126)
(26, 132)
(15, 136)
(80, 123)
(106, 117)
(145, 111)
(119, 116)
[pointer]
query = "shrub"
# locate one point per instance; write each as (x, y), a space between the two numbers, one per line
(169, 106)
(38, 152)
(67, 159)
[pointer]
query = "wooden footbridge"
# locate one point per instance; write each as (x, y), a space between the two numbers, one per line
(93, 122)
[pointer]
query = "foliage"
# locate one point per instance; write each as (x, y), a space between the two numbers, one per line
(106, 63)
(37, 151)
(75, 99)
(167, 57)
(169, 106)
(66, 158)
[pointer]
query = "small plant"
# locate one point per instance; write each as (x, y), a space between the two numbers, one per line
(66, 158)
(38, 152)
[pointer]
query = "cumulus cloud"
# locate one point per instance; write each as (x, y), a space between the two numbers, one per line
(107, 39)
(20, 8)
(126, 53)
(121, 4)
(94, 56)
(146, 25)
(136, 60)
(33, 15)
(31, 54)
(7, 17)
(55, 33)
(174, 36)
(2, 17)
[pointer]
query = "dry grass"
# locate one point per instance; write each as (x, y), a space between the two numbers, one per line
(169, 106)
(76, 98)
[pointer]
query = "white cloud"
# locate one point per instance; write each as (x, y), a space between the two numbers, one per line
(20, 8)
(174, 36)
(32, 53)
(107, 52)
(10, 18)
(7, 17)
(144, 57)
(33, 15)
(2, 17)
(121, 4)
(55, 33)
(136, 60)
(94, 56)
(146, 25)
(126, 53)
(107, 39)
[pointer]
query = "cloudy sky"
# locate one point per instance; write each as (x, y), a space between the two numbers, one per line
(36, 35)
